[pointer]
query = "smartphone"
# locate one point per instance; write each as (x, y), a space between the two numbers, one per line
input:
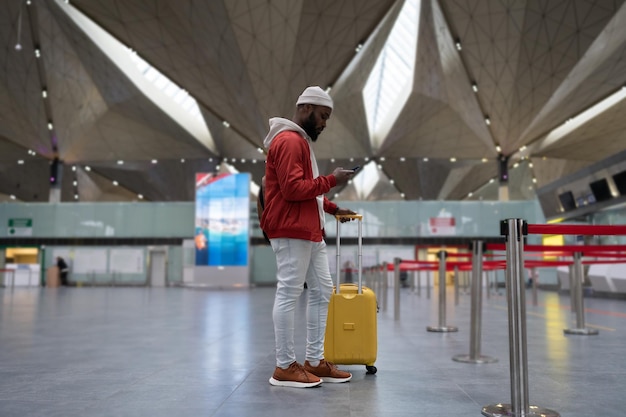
(356, 168)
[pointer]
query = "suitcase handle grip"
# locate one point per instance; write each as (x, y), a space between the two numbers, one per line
(349, 216)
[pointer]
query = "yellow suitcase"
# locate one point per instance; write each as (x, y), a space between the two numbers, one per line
(351, 334)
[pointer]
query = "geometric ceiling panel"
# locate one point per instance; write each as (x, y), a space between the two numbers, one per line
(486, 74)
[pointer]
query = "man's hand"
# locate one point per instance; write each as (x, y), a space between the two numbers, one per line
(343, 175)
(343, 212)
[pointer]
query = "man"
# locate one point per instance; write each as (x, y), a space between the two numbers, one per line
(63, 269)
(293, 220)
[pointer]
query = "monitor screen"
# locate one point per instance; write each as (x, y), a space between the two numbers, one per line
(620, 182)
(567, 201)
(601, 190)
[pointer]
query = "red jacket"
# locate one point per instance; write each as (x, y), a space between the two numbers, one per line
(291, 208)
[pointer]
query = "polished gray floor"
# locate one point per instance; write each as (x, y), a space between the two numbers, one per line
(123, 352)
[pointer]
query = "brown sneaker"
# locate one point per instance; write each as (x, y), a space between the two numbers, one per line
(295, 376)
(328, 371)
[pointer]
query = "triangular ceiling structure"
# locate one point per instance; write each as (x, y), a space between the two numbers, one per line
(489, 77)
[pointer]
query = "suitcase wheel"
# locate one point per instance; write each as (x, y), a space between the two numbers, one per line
(371, 369)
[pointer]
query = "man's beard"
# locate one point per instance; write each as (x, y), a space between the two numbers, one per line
(309, 127)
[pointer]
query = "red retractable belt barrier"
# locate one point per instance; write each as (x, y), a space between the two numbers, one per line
(564, 248)
(575, 229)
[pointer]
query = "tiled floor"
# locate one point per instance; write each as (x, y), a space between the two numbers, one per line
(123, 352)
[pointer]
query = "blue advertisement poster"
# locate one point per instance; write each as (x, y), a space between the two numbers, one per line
(222, 219)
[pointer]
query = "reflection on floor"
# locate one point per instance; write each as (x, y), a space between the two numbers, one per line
(96, 352)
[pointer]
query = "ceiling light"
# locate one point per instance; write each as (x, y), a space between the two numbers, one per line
(44, 93)
(50, 126)
(332, 160)
(154, 161)
(498, 148)
(12, 197)
(233, 160)
(391, 182)
(402, 195)
(87, 168)
(522, 149)
(115, 183)
(382, 159)
(351, 159)
(366, 159)
(243, 161)
(457, 42)
(75, 196)
(260, 150)
(37, 53)
(358, 48)
(75, 183)
(530, 165)
(475, 87)
(491, 181)
(20, 162)
(74, 168)
(379, 166)
(182, 160)
(487, 121)
(402, 159)
(453, 159)
(534, 180)
(336, 195)
(140, 196)
(210, 159)
(470, 194)
(515, 165)
(254, 161)
(425, 159)
(485, 160)
(120, 162)
(330, 87)
(226, 124)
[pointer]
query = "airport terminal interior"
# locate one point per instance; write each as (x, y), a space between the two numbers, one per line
(490, 143)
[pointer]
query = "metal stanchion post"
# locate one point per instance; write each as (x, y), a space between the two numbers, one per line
(476, 310)
(577, 284)
(396, 288)
(456, 285)
(533, 283)
(413, 278)
(384, 279)
(442, 327)
(572, 295)
(428, 284)
(514, 230)
(419, 283)
(487, 283)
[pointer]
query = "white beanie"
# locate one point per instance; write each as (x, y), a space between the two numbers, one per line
(315, 95)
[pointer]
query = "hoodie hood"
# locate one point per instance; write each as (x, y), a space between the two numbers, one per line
(280, 124)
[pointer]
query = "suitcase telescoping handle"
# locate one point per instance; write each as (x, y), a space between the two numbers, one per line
(359, 218)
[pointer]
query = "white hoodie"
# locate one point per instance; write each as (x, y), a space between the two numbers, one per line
(280, 124)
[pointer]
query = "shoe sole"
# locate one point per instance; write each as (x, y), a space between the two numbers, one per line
(335, 380)
(294, 384)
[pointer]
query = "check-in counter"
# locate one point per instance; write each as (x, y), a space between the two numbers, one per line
(562, 273)
(24, 275)
(608, 278)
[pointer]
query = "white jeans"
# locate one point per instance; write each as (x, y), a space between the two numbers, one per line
(298, 261)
